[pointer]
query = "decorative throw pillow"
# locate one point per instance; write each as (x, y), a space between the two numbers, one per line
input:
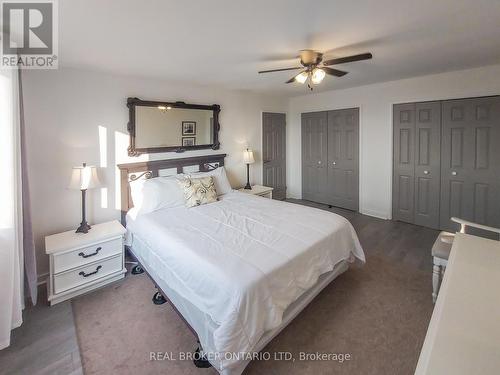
(198, 191)
(221, 182)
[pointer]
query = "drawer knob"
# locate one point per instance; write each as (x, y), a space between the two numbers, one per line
(90, 255)
(91, 273)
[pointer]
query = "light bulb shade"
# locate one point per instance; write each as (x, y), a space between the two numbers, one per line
(318, 75)
(164, 109)
(84, 177)
(248, 157)
(302, 77)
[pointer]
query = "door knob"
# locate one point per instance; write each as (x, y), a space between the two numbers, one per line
(319, 161)
(453, 173)
(334, 163)
(426, 172)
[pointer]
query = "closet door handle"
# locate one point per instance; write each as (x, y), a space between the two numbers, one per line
(81, 273)
(454, 173)
(319, 162)
(334, 163)
(426, 172)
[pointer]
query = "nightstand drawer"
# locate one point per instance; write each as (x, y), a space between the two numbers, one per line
(268, 195)
(86, 255)
(84, 275)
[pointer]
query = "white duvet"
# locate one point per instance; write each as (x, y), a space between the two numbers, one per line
(244, 259)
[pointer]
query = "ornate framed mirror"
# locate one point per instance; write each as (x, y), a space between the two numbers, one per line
(156, 126)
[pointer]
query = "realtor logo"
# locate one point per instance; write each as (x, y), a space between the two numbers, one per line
(29, 34)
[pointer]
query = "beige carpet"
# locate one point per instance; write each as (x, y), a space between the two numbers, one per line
(377, 313)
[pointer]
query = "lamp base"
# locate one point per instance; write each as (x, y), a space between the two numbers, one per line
(83, 228)
(247, 186)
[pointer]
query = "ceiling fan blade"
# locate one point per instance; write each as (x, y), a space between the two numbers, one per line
(342, 60)
(334, 72)
(279, 70)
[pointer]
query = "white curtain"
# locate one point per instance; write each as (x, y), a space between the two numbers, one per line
(11, 236)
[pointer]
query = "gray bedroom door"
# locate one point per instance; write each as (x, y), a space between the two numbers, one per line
(343, 143)
(417, 162)
(314, 156)
(274, 153)
(471, 161)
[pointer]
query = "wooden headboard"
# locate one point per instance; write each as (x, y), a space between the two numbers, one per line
(149, 169)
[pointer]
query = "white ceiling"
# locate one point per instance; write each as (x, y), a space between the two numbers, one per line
(225, 42)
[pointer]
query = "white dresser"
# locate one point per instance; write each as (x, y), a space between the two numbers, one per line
(262, 191)
(82, 262)
(464, 332)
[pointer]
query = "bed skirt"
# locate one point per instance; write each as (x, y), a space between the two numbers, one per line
(201, 322)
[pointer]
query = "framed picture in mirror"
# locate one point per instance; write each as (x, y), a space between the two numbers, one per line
(188, 141)
(188, 127)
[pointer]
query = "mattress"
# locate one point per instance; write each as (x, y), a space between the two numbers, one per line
(241, 262)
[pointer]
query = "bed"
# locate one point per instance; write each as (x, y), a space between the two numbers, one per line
(240, 269)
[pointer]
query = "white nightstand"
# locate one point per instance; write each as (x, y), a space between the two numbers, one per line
(263, 191)
(82, 262)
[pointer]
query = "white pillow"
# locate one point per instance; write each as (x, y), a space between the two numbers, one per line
(156, 193)
(222, 184)
(136, 192)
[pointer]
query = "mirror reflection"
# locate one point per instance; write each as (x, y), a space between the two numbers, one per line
(164, 126)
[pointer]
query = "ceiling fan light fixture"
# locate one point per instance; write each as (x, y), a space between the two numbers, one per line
(314, 69)
(164, 109)
(302, 77)
(317, 76)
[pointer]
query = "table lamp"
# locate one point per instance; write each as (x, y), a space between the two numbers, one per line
(83, 178)
(248, 159)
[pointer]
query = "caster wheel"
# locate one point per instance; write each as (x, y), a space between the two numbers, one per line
(200, 360)
(158, 299)
(137, 270)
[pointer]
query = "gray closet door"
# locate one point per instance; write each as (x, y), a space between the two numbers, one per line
(427, 163)
(314, 156)
(343, 160)
(417, 162)
(274, 153)
(403, 189)
(470, 170)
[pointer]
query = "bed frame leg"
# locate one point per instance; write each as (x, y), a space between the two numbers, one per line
(158, 299)
(137, 270)
(200, 359)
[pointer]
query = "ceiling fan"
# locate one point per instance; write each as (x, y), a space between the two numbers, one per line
(315, 69)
